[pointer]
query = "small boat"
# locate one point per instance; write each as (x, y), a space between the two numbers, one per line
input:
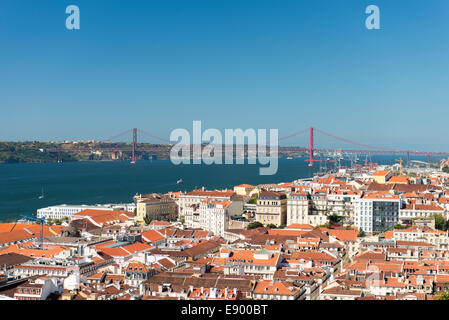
(289, 158)
(42, 194)
(133, 162)
(179, 181)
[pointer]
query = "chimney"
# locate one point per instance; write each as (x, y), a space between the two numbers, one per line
(226, 293)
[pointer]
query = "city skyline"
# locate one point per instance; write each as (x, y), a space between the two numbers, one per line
(231, 64)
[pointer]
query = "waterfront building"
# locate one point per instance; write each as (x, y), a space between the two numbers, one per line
(65, 210)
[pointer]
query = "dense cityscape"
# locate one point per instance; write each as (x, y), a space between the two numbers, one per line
(373, 232)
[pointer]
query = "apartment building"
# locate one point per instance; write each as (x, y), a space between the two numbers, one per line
(39, 288)
(270, 290)
(341, 203)
(298, 209)
(377, 212)
(261, 264)
(215, 215)
(438, 238)
(189, 204)
(272, 208)
(313, 209)
(137, 273)
(155, 206)
(412, 210)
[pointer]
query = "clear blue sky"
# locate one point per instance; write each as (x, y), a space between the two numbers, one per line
(158, 65)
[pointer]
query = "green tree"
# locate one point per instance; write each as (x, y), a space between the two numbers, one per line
(335, 218)
(443, 295)
(135, 212)
(182, 219)
(254, 225)
(147, 220)
(440, 223)
(272, 226)
(361, 234)
(253, 200)
(446, 169)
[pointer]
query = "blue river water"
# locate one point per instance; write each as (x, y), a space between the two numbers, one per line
(117, 182)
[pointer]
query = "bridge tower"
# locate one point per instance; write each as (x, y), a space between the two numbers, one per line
(408, 157)
(134, 159)
(311, 160)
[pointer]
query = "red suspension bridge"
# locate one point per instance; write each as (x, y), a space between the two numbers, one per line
(356, 148)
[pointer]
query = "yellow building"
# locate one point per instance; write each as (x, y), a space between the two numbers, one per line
(381, 176)
(244, 189)
(155, 206)
(272, 208)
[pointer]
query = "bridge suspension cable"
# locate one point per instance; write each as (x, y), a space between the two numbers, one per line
(118, 135)
(156, 137)
(353, 142)
(293, 134)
